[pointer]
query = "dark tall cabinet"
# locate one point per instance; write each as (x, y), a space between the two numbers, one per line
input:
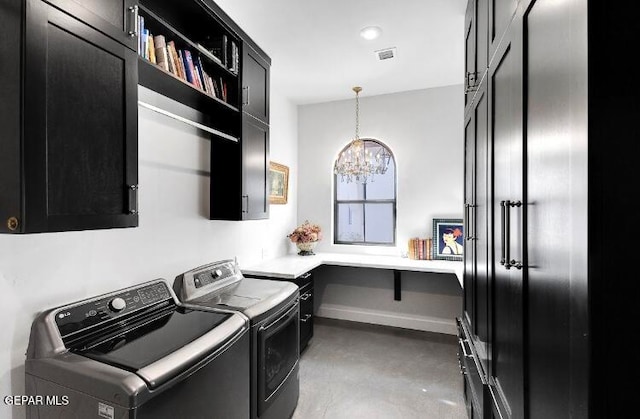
(547, 303)
(69, 159)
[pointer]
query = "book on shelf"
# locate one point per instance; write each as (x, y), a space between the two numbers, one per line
(420, 249)
(235, 60)
(188, 66)
(140, 30)
(151, 49)
(208, 53)
(161, 52)
(218, 47)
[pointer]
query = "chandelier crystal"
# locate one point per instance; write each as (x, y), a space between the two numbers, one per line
(358, 162)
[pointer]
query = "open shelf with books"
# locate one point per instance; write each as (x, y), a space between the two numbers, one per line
(194, 66)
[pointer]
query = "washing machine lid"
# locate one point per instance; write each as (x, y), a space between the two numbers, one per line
(141, 329)
(151, 339)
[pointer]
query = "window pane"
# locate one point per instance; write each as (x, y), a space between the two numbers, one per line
(383, 186)
(379, 223)
(348, 191)
(350, 222)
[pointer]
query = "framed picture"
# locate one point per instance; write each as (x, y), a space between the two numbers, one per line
(278, 183)
(448, 239)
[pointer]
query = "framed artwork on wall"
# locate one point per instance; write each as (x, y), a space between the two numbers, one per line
(278, 183)
(448, 239)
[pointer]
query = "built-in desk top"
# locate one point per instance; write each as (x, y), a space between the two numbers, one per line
(292, 266)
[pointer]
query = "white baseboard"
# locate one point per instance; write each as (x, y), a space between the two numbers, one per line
(385, 318)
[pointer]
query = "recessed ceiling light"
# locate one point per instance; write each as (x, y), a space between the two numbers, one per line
(370, 32)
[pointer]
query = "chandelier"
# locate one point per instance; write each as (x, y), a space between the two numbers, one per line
(360, 160)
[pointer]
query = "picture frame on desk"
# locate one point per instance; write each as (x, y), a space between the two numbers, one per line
(448, 239)
(278, 183)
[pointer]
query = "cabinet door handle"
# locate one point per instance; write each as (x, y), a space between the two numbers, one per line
(502, 231)
(306, 296)
(133, 199)
(508, 262)
(306, 318)
(305, 275)
(463, 345)
(133, 27)
(246, 95)
(468, 213)
(245, 197)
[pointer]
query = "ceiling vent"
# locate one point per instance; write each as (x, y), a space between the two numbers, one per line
(386, 54)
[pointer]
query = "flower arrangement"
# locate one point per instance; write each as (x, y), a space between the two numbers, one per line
(305, 233)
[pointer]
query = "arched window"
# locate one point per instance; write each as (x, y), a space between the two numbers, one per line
(365, 210)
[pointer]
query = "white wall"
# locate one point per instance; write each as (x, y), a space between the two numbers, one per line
(41, 271)
(423, 128)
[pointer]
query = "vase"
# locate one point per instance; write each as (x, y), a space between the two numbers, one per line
(306, 248)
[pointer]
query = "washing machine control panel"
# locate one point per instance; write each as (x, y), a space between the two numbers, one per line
(88, 314)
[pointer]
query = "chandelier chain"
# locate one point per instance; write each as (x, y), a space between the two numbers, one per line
(357, 115)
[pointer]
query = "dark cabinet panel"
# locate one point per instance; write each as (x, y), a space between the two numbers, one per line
(470, 50)
(255, 164)
(239, 173)
(79, 155)
(469, 274)
(507, 343)
(557, 152)
(255, 84)
(500, 14)
(306, 313)
(114, 18)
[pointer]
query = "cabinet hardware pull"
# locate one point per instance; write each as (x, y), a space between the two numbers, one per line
(248, 95)
(508, 262)
(189, 122)
(468, 213)
(470, 82)
(502, 228)
(464, 348)
(134, 12)
(246, 211)
(305, 275)
(306, 318)
(306, 296)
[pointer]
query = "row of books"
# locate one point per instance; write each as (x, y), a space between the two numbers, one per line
(219, 47)
(420, 249)
(182, 63)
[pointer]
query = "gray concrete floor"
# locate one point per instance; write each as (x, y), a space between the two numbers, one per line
(354, 370)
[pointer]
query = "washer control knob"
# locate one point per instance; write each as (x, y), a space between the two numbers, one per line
(217, 273)
(117, 304)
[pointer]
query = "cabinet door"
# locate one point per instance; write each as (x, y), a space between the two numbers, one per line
(255, 84)
(115, 18)
(80, 125)
(500, 14)
(507, 333)
(306, 314)
(469, 197)
(470, 51)
(255, 168)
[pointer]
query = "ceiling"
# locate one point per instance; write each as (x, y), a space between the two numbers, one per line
(318, 55)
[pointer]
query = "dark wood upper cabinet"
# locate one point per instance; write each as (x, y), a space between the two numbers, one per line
(255, 167)
(476, 46)
(255, 84)
(114, 18)
(72, 153)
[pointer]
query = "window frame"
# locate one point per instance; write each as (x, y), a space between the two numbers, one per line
(364, 201)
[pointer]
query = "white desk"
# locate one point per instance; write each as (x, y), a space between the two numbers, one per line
(292, 266)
